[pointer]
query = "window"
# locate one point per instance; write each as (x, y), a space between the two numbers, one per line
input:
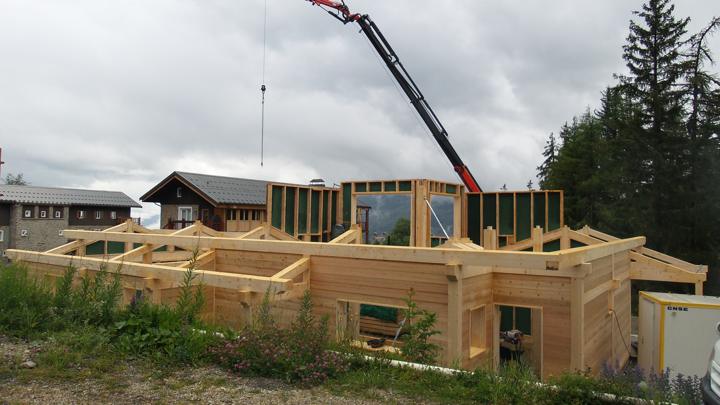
(44, 211)
(361, 322)
(57, 213)
(82, 214)
(113, 214)
(255, 215)
(244, 216)
(2, 235)
(98, 214)
(28, 212)
(178, 192)
(477, 331)
(230, 215)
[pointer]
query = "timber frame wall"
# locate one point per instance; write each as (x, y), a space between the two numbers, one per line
(576, 283)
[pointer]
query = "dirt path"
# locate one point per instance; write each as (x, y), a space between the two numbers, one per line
(132, 384)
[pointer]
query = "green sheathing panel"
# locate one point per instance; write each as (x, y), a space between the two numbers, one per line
(315, 212)
(116, 248)
(524, 225)
(378, 312)
(553, 211)
(523, 319)
(489, 211)
(376, 186)
(405, 186)
(160, 249)
(276, 219)
(137, 245)
(333, 212)
(473, 218)
(506, 318)
(347, 202)
(390, 186)
(574, 244)
(551, 246)
(519, 318)
(539, 210)
(450, 189)
(326, 203)
(98, 248)
(507, 225)
(290, 210)
(302, 210)
(360, 187)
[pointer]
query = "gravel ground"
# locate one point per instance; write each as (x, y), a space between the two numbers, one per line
(130, 385)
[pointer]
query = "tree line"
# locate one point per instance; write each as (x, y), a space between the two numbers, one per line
(647, 162)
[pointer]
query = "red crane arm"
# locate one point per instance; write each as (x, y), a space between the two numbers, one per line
(406, 83)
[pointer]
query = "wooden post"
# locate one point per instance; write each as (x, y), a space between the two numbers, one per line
(577, 317)
(537, 238)
(489, 239)
(455, 314)
(699, 288)
(147, 257)
(152, 289)
(565, 238)
(81, 249)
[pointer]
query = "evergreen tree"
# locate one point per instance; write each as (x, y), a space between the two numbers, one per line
(550, 155)
(654, 57)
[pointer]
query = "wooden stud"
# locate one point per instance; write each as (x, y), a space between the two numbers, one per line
(577, 318)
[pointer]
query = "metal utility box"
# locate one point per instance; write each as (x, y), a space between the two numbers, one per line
(677, 331)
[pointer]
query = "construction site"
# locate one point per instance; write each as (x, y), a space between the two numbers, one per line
(511, 265)
(507, 279)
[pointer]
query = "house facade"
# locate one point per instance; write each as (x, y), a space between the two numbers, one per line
(33, 218)
(227, 204)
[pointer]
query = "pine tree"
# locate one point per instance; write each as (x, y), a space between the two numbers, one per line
(550, 155)
(654, 57)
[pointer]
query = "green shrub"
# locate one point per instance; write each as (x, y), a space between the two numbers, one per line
(298, 354)
(418, 328)
(95, 301)
(171, 335)
(26, 304)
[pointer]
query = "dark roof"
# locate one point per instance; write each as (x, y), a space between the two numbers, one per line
(219, 189)
(64, 196)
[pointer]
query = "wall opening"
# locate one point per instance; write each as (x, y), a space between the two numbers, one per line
(385, 219)
(478, 342)
(370, 326)
(519, 336)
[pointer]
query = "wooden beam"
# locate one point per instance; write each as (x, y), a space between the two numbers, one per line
(349, 236)
(200, 260)
(646, 268)
(71, 246)
(172, 275)
(586, 254)
(290, 272)
(132, 253)
(529, 260)
(255, 233)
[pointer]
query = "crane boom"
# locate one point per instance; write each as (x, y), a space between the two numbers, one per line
(411, 90)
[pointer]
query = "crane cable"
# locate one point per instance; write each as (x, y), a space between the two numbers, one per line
(263, 87)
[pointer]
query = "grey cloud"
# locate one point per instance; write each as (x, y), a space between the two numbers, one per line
(118, 94)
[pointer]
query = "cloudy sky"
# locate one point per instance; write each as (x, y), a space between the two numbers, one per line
(118, 94)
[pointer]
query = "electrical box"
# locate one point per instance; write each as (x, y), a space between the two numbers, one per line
(677, 332)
